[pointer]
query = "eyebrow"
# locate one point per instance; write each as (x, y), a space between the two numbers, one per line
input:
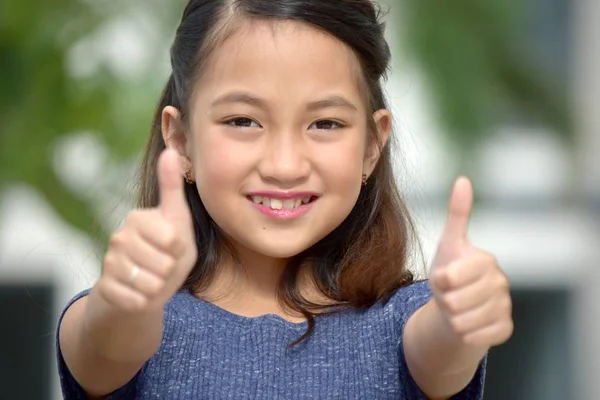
(246, 98)
(239, 97)
(332, 102)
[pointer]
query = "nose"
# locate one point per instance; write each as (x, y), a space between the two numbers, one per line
(285, 161)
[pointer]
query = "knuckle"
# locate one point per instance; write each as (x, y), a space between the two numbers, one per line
(443, 279)
(168, 267)
(156, 287)
(191, 259)
(509, 329)
(193, 252)
(110, 263)
(436, 279)
(502, 283)
(486, 259)
(118, 239)
(134, 302)
(450, 278)
(191, 244)
(458, 325)
(104, 292)
(507, 306)
(134, 217)
(171, 239)
(451, 303)
(503, 333)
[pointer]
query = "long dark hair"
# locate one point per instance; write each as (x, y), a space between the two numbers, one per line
(365, 259)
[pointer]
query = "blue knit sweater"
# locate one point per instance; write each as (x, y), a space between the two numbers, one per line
(209, 353)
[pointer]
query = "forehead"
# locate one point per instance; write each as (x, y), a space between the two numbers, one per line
(282, 58)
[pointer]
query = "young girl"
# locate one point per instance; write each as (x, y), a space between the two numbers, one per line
(268, 259)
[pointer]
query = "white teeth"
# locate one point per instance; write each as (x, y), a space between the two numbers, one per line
(278, 204)
(289, 204)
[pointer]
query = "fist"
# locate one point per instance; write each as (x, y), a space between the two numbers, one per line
(468, 286)
(151, 255)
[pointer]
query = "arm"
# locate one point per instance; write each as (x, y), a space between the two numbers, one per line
(471, 310)
(105, 338)
(439, 362)
(103, 348)
(445, 340)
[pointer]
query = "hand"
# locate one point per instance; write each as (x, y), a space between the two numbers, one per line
(469, 287)
(149, 258)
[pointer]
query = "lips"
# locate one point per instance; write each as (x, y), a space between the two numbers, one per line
(284, 206)
(281, 204)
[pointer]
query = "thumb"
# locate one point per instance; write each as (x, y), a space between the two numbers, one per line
(459, 211)
(170, 187)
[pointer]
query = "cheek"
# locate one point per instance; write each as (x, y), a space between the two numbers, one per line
(217, 163)
(342, 165)
(219, 172)
(341, 172)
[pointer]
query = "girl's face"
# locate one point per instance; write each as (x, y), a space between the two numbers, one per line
(278, 137)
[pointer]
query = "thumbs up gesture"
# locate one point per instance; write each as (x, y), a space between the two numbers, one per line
(468, 286)
(151, 255)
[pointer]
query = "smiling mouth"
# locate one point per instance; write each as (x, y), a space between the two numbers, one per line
(282, 204)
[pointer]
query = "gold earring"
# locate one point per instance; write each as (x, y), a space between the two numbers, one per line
(364, 179)
(188, 178)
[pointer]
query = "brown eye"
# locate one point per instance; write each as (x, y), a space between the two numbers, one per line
(243, 123)
(326, 125)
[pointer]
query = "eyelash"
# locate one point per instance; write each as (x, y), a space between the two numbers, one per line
(328, 121)
(232, 122)
(235, 121)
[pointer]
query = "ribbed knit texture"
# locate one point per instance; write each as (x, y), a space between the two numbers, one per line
(210, 353)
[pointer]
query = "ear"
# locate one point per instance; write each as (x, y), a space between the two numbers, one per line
(383, 127)
(174, 135)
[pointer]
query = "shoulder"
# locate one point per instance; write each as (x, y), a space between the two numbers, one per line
(185, 306)
(186, 314)
(412, 291)
(73, 299)
(408, 299)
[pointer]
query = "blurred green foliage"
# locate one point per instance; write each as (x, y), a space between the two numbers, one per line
(473, 54)
(465, 47)
(41, 103)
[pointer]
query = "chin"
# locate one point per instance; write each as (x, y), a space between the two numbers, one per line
(279, 247)
(279, 251)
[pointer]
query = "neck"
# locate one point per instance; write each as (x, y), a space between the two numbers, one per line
(257, 274)
(248, 286)
(249, 275)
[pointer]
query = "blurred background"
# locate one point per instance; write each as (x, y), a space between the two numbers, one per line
(505, 92)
